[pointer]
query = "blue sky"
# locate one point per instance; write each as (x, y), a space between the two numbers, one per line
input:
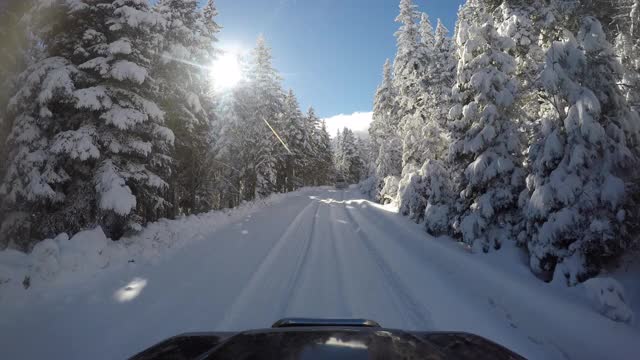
(330, 52)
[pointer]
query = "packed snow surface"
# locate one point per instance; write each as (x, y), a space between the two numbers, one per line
(314, 253)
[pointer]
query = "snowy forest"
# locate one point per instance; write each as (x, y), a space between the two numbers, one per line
(523, 127)
(520, 126)
(108, 117)
(159, 177)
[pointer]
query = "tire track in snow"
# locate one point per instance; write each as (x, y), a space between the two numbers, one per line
(244, 298)
(338, 252)
(418, 252)
(412, 310)
(319, 290)
(398, 303)
(298, 268)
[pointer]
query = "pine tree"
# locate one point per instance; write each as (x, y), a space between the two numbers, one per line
(183, 87)
(327, 155)
(259, 107)
(348, 161)
(407, 66)
(578, 202)
(484, 155)
(317, 151)
(17, 51)
(627, 43)
(415, 144)
(88, 145)
(442, 79)
(293, 133)
(386, 147)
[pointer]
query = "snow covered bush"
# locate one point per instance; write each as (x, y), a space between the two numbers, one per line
(369, 187)
(608, 297)
(427, 188)
(411, 194)
(389, 191)
(85, 252)
(437, 182)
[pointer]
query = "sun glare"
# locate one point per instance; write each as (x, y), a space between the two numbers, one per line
(226, 71)
(131, 290)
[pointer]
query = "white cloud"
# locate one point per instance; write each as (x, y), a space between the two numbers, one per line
(358, 122)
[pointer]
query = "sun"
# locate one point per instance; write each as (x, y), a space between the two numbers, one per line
(226, 71)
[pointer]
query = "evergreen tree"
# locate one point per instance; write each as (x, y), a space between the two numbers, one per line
(348, 161)
(407, 66)
(384, 129)
(317, 151)
(578, 201)
(484, 154)
(259, 102)
(325, 157)
(415, 144)
(293, 133)
(441, 80)
(627, 43)
(88, 145)
(187, 40)
(17, 51)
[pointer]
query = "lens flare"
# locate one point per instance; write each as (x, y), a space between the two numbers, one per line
(226, 71)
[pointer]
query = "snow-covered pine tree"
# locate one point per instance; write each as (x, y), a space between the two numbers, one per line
(207, 29)
(434, 181)
(415, 144)
(484, 154)
(183, 85)
(408, 71)
(442, 78)
(389, 158)
(530, 24)
(260, 105)
(325, 156)
(17, 51)
(407, 65)
(578, 207)
(386, 143)
(88, 144)
(437, 100)
(231, 155)
(384, 129)
(336, 144)
(292, 163)
(627, 44)
(315, 168)
(425, 138)
(348, 161)
(364, 152)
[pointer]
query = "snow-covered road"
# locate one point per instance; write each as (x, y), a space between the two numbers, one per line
(318, 253)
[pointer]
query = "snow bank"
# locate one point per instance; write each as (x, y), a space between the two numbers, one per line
(63, 260)
(369, 187)
(608, 298)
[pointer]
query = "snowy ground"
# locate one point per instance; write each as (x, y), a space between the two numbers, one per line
(314, 253)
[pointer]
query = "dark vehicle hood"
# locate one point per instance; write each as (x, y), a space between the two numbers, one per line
(327, 342)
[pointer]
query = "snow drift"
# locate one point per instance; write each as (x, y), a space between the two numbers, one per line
(63, 259)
